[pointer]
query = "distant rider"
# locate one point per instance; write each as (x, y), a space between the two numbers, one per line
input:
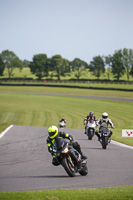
(104, 121)
(62, 123)
(63, 120)
(53, 133)
(89, 117)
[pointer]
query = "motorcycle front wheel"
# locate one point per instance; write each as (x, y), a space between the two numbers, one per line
(104, 142)
(90, 134)
(68, 166)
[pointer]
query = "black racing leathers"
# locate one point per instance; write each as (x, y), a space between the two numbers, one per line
(50, 142)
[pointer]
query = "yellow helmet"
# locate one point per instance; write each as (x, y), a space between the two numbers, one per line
(52, 131)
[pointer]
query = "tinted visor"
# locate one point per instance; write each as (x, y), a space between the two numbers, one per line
(91, 114)
(104, 117)
(52, 133)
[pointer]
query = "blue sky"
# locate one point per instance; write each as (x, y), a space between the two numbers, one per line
(72, 28)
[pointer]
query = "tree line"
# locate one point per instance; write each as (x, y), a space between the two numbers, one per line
(119, 63)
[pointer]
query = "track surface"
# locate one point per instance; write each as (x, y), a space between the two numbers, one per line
(70, 95)
(25, 163)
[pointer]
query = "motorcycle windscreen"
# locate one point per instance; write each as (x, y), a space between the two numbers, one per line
(105, 130)
(59, 144)
(91, 121)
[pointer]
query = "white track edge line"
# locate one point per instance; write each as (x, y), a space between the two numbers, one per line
(121, 144)
(5, 131)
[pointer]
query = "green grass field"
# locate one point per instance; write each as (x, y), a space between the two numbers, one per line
(117, 193)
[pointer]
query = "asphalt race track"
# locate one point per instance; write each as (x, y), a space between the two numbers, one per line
(25, 163)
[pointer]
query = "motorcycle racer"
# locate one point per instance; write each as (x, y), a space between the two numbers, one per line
(63, 120)
(62, 123)
(53, 133)
(91, 116)
(104, 121)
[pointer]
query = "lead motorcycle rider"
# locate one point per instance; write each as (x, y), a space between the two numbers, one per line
(53, 133)
(104, 121)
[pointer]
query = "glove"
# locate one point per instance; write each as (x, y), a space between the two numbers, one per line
(84, 122)
(71, 139)
(53, 152)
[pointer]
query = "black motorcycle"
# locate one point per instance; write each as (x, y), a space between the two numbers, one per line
(105, 137)
(69, 158)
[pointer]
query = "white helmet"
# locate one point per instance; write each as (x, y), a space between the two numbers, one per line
(105, 115)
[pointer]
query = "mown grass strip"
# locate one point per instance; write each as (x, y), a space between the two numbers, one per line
(117, 193)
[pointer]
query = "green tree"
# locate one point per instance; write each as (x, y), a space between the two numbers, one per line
(65, 67)
(11, 61)
(39, 66)
(117, 65)
(131, 72)
(127, 59)
(2, 67)
(97, 66)
(78, 66)
(26, 63)
(108, 62)
(60, 65)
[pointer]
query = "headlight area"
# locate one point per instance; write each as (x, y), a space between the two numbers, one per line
(65, 150)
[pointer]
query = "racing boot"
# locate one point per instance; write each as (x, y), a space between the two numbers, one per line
(85, 131)
(78, 148)
(83, 156)
(98, 135)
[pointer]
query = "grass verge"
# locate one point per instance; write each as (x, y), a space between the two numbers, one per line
(117, 193)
